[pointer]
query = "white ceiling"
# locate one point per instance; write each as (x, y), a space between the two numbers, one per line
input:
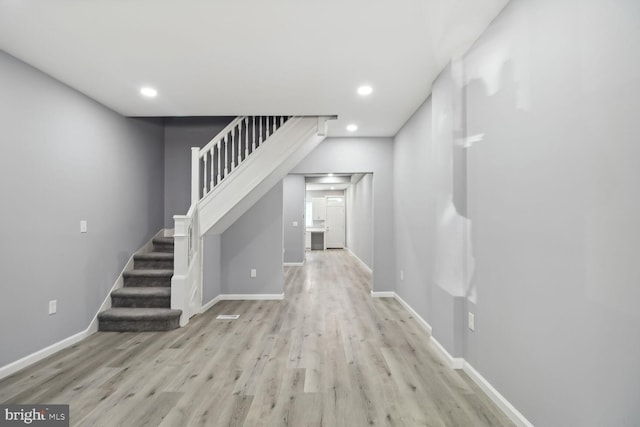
(236, 57)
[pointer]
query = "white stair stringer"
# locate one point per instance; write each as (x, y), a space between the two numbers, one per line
(252, 179)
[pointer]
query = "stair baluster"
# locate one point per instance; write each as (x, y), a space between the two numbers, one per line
(246, 138)
(204, 168)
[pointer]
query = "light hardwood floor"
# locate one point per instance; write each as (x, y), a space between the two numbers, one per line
(328, 355)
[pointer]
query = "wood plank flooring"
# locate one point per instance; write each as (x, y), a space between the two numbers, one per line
(328, 355)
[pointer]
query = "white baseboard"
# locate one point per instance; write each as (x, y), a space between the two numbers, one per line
(421, 321)
(293, 264)
(32, 358)
(211, 303)
(383, 294)
(250, 297)
(240, 297)
(452, 362)
(364, 265)
(500, 401)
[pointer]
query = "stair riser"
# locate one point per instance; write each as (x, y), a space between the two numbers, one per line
(150, 264)
(147, 281)
(163, 247)
(148, 302)
(139, 326)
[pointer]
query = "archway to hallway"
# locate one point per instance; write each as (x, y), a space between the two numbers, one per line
(328, 212)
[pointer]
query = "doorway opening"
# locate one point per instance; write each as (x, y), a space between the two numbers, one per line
(325, 211)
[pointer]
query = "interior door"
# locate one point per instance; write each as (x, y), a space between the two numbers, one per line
(335, 234)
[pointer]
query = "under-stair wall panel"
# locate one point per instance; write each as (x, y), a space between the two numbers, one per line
(255, 242)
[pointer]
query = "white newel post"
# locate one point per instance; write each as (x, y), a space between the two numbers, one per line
(180, 279)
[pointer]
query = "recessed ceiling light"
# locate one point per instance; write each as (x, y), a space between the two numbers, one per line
(330, 174)
(365, 90)
(333, 188)
(149, 92)
(352, 127)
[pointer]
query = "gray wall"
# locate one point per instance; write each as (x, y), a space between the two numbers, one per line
(293, 188)
(431, 233)
(65, 158)
(415, 219)
(553, 197)
(552, 96)
(255, 241)
(212, 267)
(360, 219)
(359, 155)
(180, 134)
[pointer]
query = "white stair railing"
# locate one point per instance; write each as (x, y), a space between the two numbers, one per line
(211, 166)
(230, 148)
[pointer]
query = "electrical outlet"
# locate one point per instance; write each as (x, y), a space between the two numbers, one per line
(472, 321)
(254, 273)
(401, 274)
(53, 306)
(83, 226)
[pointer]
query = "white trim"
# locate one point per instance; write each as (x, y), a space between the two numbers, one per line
(452, 362)
(383, 294)
(211, 303)
(513, 414)
(250, 297)
(364, 265)
(32, 358)
(293, 264)
(421, 321)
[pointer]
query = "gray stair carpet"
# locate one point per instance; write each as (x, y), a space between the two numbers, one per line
(144, 303)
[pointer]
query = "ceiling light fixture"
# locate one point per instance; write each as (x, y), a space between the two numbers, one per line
(352, 127)
(149, 92)
(330, 174)
(333, 188)
(365, 90)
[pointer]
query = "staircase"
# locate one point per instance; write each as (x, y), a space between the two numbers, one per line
(228, 175)
(144, 301)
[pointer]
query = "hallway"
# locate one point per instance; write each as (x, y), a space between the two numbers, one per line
(327, 355)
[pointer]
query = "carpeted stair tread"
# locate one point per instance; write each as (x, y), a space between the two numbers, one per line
(148, 273)
(142, 292)
(154, 260)
(144, 301)
(145, 314)
(160, 256)
(163, 244)
(164, 240)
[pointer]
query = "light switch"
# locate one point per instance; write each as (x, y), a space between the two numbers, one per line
(83, 226)
(53, 306)
(295, 223)
(472, 321)
(254, 273)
